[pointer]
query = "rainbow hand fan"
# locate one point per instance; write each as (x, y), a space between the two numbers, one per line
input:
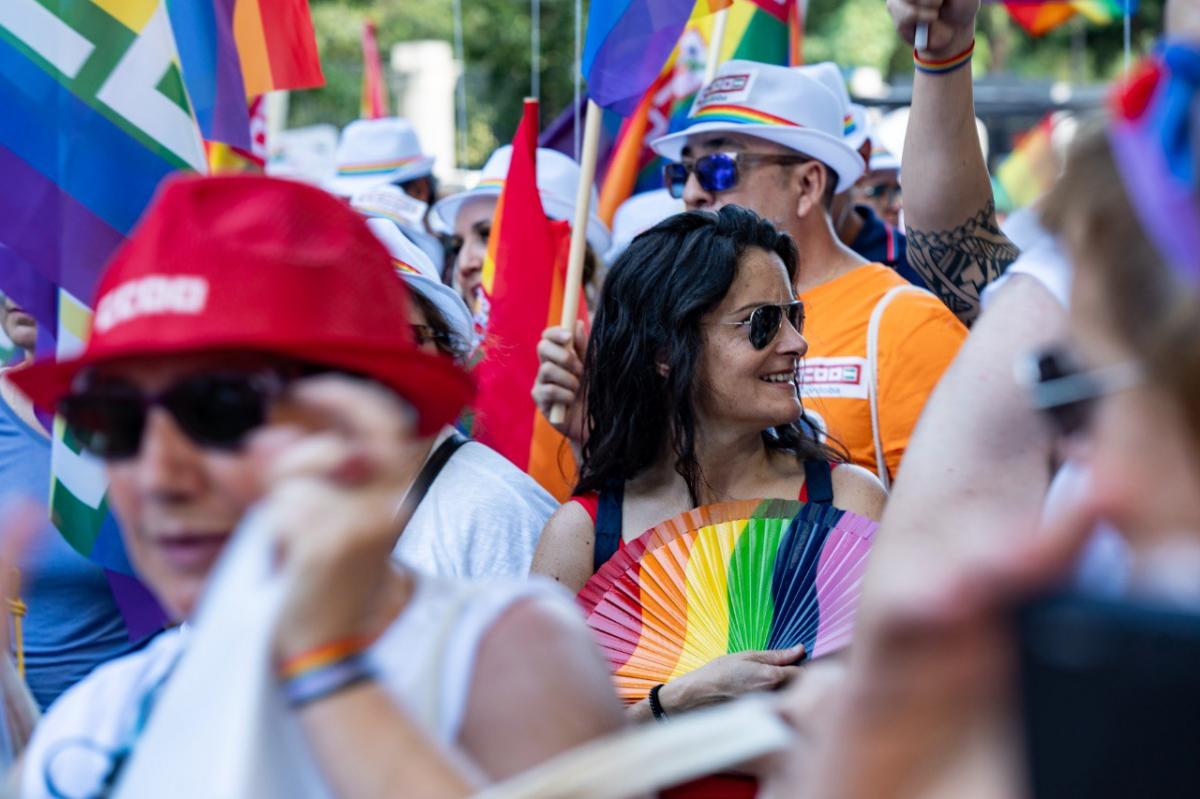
(730, 577)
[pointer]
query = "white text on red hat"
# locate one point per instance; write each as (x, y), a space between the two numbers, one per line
(146, 296)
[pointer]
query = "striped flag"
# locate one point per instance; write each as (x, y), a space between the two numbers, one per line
(276, 44)
(757, 31)
(211, 72)
(524, 277)
(1039, 17)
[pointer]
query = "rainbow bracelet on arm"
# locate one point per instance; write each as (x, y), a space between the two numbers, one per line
(945, 65)
(325, 671)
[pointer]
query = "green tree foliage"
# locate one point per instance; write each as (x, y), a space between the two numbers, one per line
(496, 37)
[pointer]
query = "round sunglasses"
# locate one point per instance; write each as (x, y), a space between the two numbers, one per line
(766, 320)
(215, 410)
(719, 171)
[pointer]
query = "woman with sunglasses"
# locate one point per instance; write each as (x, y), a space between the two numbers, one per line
(691, 397)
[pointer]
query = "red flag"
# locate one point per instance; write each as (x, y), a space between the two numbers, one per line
(524, 278)
(374, 89)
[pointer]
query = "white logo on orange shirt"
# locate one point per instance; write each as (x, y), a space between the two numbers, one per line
(155, 294)
(834, 377)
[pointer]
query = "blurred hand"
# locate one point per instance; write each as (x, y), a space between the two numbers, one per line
(731, 676)
(927, 704)
(339, 456)
(560, 375)
(951, 23)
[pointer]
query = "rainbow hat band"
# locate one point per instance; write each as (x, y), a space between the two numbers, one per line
(789, 107)
(404, 268)
(376, 168)
(375, 152)
(739, 115)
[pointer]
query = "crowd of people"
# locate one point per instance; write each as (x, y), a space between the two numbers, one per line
(1016, 405)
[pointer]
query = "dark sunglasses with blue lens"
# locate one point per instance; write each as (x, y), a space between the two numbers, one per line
(720, 171)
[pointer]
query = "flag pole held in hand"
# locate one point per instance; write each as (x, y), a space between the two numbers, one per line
(921, 40)
(583, 201)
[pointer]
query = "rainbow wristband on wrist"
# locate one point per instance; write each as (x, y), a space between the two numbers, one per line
(322, 681)
(324, 671)
(945, 65)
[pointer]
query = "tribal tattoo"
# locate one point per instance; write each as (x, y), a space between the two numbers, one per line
(958, 264)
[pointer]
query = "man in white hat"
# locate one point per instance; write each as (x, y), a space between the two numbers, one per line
(860, 223)
(480, 516)
(382, 168)
(771, 139)
(469, 214)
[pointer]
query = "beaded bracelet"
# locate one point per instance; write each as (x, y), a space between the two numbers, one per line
(945, 65)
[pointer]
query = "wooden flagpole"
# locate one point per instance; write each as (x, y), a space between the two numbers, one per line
(715, 43)
(583, 203)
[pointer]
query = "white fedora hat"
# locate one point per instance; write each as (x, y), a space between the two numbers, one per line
(418, 271)
(637, 215)
(777, 104)
(375, 151)
(854, 116)
(558, 182)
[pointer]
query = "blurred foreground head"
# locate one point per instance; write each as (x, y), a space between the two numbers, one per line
(229, 288)
(1128, 210)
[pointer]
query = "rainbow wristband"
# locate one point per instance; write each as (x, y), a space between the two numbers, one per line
(943, 66)
(320, 682)
(323, 656)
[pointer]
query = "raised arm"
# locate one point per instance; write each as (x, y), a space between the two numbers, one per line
(954, 240)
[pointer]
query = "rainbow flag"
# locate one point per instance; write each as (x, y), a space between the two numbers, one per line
(374, 87)
(524, 276)
(224, 159)
(211, 71)
(277, 46)
(628, 41)
(752, 32)
(1028, 171)
(1039, 17)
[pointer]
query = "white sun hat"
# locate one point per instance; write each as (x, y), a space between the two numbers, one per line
(854, 116)
(375, 151)
(882, 159)
(558, 182)
(637, 215)
(778, 104)
(419, 273)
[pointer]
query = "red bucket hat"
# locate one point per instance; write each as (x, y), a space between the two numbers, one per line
(259, 264)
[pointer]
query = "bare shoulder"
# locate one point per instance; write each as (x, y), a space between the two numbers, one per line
(564, 551)
(857, 490)
(540, 687)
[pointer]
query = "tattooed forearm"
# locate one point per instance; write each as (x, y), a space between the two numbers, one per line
(958, 264)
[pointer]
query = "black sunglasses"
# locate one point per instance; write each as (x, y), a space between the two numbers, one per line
(1066, 394)
(215, 410)
(719, 171)
(766, 320)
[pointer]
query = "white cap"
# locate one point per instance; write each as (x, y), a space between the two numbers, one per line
(418, 271)
(558, 182)
(638, 214)
(778, 104)
(375, 151)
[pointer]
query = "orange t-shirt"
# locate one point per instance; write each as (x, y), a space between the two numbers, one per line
(918, 337)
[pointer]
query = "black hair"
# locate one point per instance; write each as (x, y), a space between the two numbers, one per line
(649, 315)
(445, 339)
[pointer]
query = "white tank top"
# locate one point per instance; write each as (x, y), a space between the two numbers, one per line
(426, 659)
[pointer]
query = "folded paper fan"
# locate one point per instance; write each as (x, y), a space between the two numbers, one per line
(730, 577)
